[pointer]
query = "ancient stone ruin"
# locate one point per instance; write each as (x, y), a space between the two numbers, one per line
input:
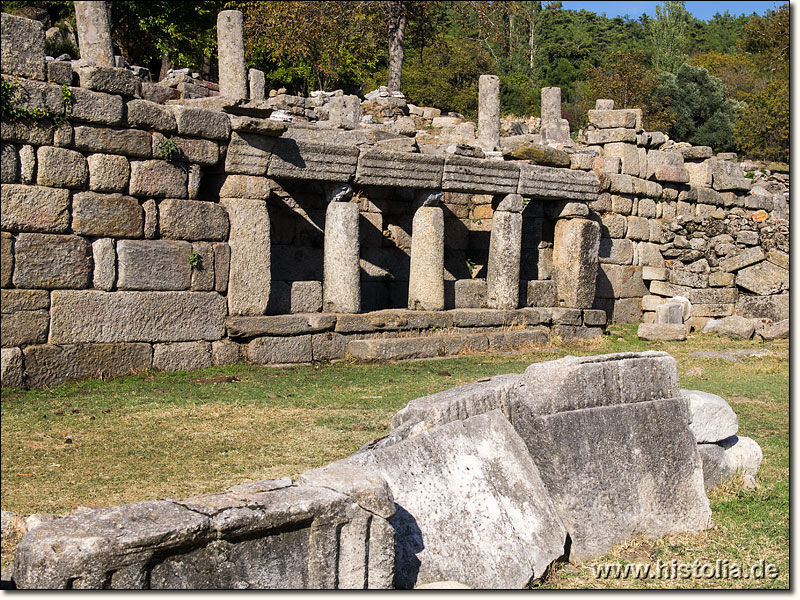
(485, 484)
(145, 232)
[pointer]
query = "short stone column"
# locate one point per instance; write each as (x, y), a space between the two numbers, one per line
(341, 286)
(505, 248)
(576, 246)
(554, 128)
(230, 43)
(489, 112)
(257, 85)
(426, 281)
(94, 33)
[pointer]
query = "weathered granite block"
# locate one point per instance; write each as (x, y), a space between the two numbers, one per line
(250, 256)
(341, 271)
(426, 283)
(470, 293)
(26, 132)
(657, 488)
(181, 356)
(628, 155)
(6, 258)
(59, 167)
(130, 142)
(575, 261)
(108, 215)
(34, 208)
(94, 316)
(153, 265)
(695, 296)
(108, 172)
(399, 169)
(620, 281)
(536, 337)
(144, 114)
(666, 166)
(744, 259)
(12, 373)
(249, 154)
(507, 534)
(480, 176)
(202, 123)
(17, 300)
(673, 332)
(615, 251)
(764, 279)
(280, 350)
(51, 261)
(96, 107)
(111, 80)
(610, 119)
(192, 220)
(104, 258)
(606, 136)
(541, 293)
(9, 172)
(279, 325)
(246, 186)
(23, 47)
(193, 150)
(712, 419)
(727, 176)
(554, 183)
(159, 179)
(203, 272)
(24, 327)
(310, 160)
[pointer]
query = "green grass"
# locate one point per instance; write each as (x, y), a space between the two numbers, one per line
(157, 435)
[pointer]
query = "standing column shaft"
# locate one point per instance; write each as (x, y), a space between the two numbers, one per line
(551, 105)
(94, 33)
(489, 112)
(505, 249)
(230, 43)
(426, 281)
(341, 287)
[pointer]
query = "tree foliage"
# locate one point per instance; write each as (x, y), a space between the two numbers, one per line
(668, 36)
(762, 130)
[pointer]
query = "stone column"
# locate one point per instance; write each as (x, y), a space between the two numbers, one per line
(505, 248)
(426, 281)
(489, 112)
(576, 245)
(257, 85)
(341, 286)
(94, 33)
(230, 43)
(554, 128)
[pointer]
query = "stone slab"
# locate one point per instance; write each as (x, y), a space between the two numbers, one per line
(399, 169)
(94, 316)
(553, 183)
(607, 492)
(111, 215)
(33, 208)
(672, 332)
(51, 261)
(128, 142)
(309, 160)
(480, 176)
(278, 325)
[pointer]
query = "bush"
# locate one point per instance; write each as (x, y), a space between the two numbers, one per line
(762, 129)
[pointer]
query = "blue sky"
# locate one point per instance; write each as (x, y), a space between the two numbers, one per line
(700, 10)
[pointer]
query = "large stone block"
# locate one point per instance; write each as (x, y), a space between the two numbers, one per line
(246, 186)
(23, 47)
(614, 251)
(666, 166)
(505, 536)
(310, 160)
(249, 154)
(727, 176)
(144, 114)
(575, 260)
(24, 327)
(202, 123)
(159, 179)
(192, 220)
(34, 208)
(105, 264)
(607, 492)
(48, 364)
(278, 325)
(480, 176)
(111, 215)
(541, 293)
(717, 468)
(628, 155)
(96, 107)
(775, 308)
(12, 373)
(17, 300)
(606, 136)
(153, 265)
(130, 142)
(51, 261)
(111, 80)
(59, 167)
(94, 316)
(399, 169)
(672, 332)
(280, 350)
(38, 132)
(250, 256)
(108, 172)
(745, 258)
(695, 296)
(553, 183)
(610, 119)
(764, 279)
(181, 356)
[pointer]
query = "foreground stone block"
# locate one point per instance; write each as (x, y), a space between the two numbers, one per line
(717, 468)
(50, 365)
(11, 370)
(644, 497)
(735, 326)
(22, 47)
(267, 534)
(181, 356)
(671, 332)
(775, 308)
(248, 327)
(505, 536)
(280, 350)
(93, 316)
(712, 419)
(34, 208)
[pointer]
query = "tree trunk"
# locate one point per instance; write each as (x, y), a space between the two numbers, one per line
(398, 18)
(166, 65)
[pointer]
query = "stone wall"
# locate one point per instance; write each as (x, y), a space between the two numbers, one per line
(136, 234)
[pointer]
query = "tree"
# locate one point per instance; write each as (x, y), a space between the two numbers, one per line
(767, 38)
(762, 130)
(737, 72)
(398, 19)
(626, 79)
(704, 115)
(668, 36)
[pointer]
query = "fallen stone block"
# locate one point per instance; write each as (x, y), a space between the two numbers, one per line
(505, 536)
(712, 419)
(671, 332)
(734, 356)
(776, 331)
(775, 308)
(743, 259)
(717, 467)
(607, 492)
(743, 453)
(736, 327)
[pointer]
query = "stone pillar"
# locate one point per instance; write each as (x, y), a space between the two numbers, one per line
(257, 85)
(230, 43)
(576, 245)
(489, 112)
(505, 248)
(94, 33)
(249, 278)
(341, 286)
(554, 128)
(426, 281)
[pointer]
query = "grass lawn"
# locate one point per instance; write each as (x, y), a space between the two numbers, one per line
(158, 435)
